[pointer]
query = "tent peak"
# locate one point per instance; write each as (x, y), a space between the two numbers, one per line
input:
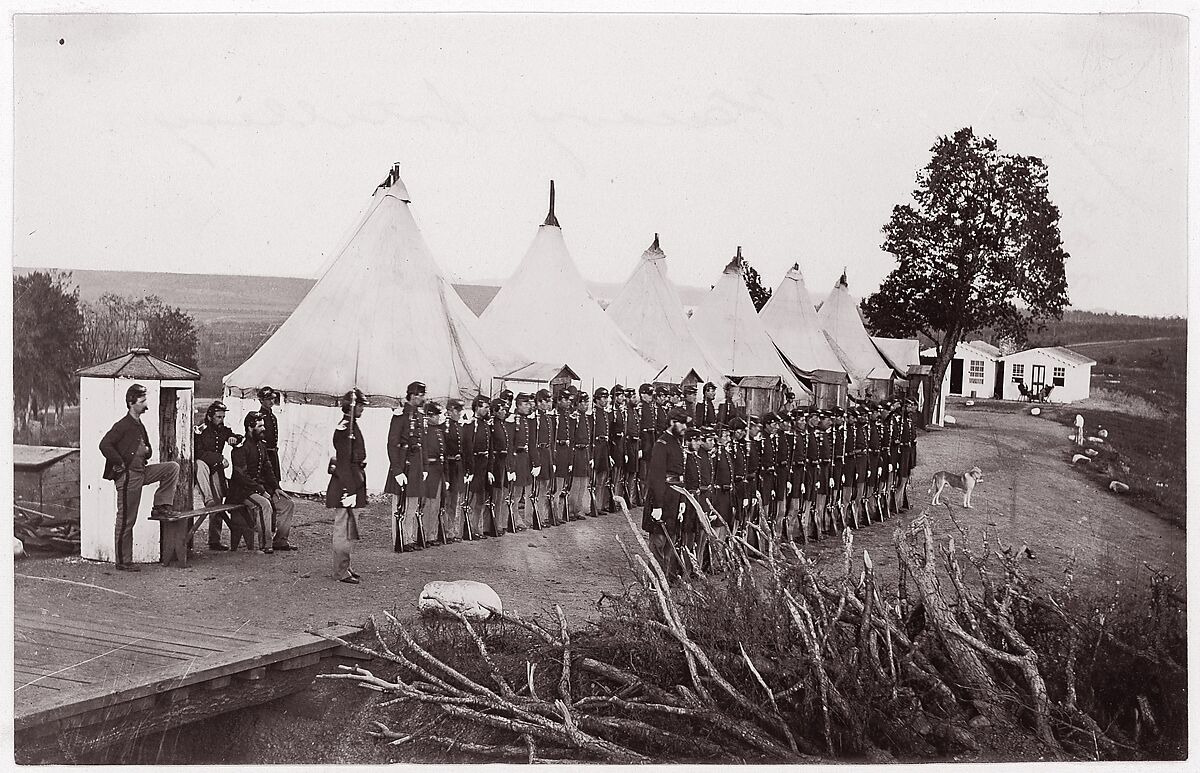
(793, 272)
(842, 282)
(796, 266)
(735, 265)
(653, 252)
(394, 185)
(550, 218)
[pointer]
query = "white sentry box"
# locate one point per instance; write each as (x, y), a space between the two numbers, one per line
(168, 422)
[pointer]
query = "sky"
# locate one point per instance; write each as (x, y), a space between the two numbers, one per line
(251, 143)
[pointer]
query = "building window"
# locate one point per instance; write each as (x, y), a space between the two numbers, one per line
(1060, 376)
(975, 375)
(1018, 373)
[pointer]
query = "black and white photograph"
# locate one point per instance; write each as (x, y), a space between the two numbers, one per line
(654, 384)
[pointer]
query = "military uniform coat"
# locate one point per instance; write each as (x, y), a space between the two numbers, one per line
(665, 468)
(350, 474)
(405, 454)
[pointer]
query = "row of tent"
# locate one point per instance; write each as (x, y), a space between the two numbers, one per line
(383, 314)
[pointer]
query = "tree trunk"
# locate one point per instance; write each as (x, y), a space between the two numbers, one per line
(945, 353)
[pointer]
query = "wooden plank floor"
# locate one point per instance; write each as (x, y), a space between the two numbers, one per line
(72, 666)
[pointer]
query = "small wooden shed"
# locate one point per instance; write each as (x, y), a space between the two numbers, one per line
(46, 475)
(538, 375)
(760, 394)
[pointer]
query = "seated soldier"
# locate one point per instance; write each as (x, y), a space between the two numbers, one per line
(211, 437)
(255, 484)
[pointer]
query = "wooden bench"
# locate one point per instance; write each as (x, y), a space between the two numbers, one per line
(178, 529)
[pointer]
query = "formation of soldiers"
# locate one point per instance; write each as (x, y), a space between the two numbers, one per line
(540, 460)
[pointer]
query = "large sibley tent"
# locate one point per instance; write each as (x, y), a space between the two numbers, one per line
(848, 337)
(546, 307)
(649, 311)
(381, 316)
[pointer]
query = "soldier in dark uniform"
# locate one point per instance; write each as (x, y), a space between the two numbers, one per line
(843, 474)
(785, 447)
(581, 454)
(617, 482)
(739, 448)
(498, 468)
(706, 411)
(766, 473)
(690, 403)
(455, 470)
(722, 493)
(520, 466)
(406, 461)
(433, 489)
(662, 403)
(759, 503)
(209, 450)
(801, 496)
(602, 449)
(542, 455)
(729, 409)
(708, 475)
(662, 513)
(908, 451)
(822, 443)
(564, 454)
(647, 423)
(689, 531)
(254, 483)
(268, 398)
(477, 451)
(347, 484)
(875, 455)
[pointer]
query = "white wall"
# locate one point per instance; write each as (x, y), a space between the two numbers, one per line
(985, 390)
(1077, 383)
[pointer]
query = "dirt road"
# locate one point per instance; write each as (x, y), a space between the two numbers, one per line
(1029, 495)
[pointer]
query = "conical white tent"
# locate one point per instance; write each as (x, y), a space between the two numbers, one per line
(381, 316)
(729, 329)
(848, 337)
(791, 320)
(649, 311)
(546, 309)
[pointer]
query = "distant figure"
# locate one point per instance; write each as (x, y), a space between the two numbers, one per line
(126, 448)
(347, 484)
(268, 398)
(1078, 429)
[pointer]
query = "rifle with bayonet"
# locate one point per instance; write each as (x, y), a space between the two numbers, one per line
(592, 509)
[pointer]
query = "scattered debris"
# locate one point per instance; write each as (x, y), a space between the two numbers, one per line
(466, 597)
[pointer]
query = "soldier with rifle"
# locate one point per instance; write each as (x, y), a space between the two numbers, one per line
(433, 490)
(723, 477)
(647, 422)
(455, 471)
(406, 461)
(908, 451)
(477, 451)
(581, 455)
(520, 466)
(706, 411)
(602, 451)
(542, 459)
(821, 458)
(785, 446)
(618, 486)
(564, 435)
(347, 484)
(758, 502)
(498, 504)
(742, 493)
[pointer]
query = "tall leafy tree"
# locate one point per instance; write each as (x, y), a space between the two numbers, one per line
(116, 324)
(979, 246)
(47, 324)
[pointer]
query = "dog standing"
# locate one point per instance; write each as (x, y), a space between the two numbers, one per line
(965, 483)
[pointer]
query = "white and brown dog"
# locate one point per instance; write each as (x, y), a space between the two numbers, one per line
(965, 483)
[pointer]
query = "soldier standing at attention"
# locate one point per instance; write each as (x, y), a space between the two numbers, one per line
(908, 451)
(126, 449)
(564, 454)
(617, 441)
(268, 398)
(406, 461)
(663, 509)
(433, 489)
(520, 467)
(646, 421)
(542, 452)
(723, 486)
(498, 467)
(785, 446)
(347, 485)
(689, 538)
(821, 458)
(581, 454)
(477, 441)
(690, 405)
(602, 451)
(706, 411)
(455, 470)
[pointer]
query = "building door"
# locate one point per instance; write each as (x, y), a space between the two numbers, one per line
(956, 376)
(1039, 378)
(998, 387)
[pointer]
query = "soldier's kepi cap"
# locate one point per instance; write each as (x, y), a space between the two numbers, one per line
(454, 404)
(662, 391)
(499, 403)
(415, 388)
(542, 394)
(617, 390)
(710, 385)
(693, 433)
(354, 396)
(216, 405)
(523, 397)
(267, 393)
(478, 401)
(600, 392)
(737, 422)
(432, 408)
(506, 395)
(645, 389)
(677, 414)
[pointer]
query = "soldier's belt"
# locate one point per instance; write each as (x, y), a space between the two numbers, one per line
(676, 480)
(455, 458)
(521, 449)
(581, 446)
(482, 453)
(562, 442)
(543, 445)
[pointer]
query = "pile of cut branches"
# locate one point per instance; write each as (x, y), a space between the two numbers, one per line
(770, 660)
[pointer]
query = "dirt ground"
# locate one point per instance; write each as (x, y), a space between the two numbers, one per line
(1029, 495)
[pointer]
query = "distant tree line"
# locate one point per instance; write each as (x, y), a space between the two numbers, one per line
(55, 334)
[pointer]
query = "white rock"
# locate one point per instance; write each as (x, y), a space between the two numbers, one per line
(1091, 452)
(1035, 411)
(970, 403)
(949, 420)
(1077, 458)
(1117, 487)
(1103, 433)
(18, 548)
(473, 599)
(1097, 440)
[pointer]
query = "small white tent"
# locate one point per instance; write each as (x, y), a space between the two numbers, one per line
(848, 338)
(730, 330)
(545, 308)
(649, 311)
(381, 316)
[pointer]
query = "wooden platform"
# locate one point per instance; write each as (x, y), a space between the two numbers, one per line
(93, 679)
